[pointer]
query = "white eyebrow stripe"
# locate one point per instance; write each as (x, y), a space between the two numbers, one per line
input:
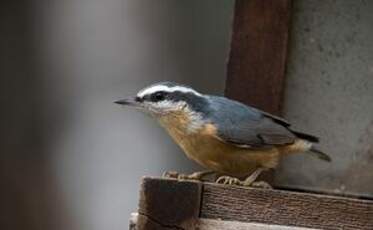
(157, 88)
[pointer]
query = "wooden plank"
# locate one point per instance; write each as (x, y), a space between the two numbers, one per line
(209, 224)
(168, 204)
(256, 66)
(285, 208)
(173, 204)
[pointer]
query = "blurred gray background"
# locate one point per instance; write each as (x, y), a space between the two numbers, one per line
(70, 158)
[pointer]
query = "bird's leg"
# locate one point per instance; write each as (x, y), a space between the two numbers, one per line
(250, 180)
(232, 180)
(193, 176)
(170, 174)
(261, 184)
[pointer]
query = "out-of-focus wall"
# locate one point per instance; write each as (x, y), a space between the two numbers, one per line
(329, 93)
(65, 63)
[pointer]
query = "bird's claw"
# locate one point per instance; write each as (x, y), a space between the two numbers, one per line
(228, 180)
(170, 174)
(261, 184)
(234, 181)
(175, 175)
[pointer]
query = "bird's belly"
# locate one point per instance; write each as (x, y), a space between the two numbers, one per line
(224, 158)
(203, 147)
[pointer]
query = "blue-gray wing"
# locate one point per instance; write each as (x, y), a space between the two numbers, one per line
(247, 127)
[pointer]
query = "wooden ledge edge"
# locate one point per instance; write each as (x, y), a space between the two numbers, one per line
(211, 224)
(169, 203)
(179, 204)
(279, 190)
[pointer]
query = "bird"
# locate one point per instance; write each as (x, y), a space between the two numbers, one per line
(222, 135)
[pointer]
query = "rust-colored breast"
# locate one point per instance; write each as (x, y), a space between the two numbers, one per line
(203, 146)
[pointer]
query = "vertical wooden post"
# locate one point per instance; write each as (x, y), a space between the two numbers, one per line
(168, 204)
(256, 67)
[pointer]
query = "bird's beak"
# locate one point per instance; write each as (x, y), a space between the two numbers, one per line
(130, 101)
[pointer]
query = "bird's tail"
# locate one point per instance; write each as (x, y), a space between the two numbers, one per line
(305, 136)
(319, 154)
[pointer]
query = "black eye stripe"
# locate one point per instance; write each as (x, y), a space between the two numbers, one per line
(157, 96)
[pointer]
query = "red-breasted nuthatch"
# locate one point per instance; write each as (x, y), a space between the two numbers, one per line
(222, 135)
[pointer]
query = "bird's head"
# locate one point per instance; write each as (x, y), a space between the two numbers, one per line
(165, 98)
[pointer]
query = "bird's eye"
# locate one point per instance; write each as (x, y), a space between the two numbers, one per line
(159, 96)
(138, 99)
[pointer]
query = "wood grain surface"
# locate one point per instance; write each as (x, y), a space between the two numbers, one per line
(209, 224)
(285, 208)
(168, 204)
(175, 204)
(257, 59)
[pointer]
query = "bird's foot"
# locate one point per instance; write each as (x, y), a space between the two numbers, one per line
(170, 174)
(194, 176)
(246, 183)
(229, 180)
(261, 184)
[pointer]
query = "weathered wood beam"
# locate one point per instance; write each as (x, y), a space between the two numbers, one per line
(173, 204)
(286, 208)
(168, 204)
(257, 60)
(209, 224)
